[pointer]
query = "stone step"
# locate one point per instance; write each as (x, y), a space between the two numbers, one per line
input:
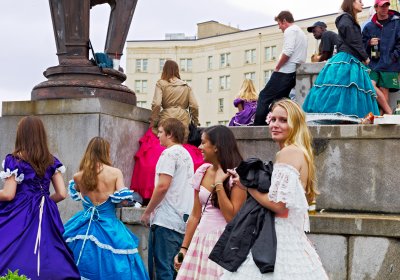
(365, 224)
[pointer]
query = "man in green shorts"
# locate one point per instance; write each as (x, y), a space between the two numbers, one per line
(381, 38)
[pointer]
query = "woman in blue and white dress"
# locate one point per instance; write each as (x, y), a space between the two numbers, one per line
(103, 247)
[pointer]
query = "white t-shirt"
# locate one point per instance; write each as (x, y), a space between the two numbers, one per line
(294, 46)
(178, 201)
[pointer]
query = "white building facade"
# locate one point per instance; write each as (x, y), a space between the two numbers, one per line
(215, 64)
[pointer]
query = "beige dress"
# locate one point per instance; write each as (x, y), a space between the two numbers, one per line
(174, 99)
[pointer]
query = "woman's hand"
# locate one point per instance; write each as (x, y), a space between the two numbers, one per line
(220, 175)
(177, 264)
(236, 179)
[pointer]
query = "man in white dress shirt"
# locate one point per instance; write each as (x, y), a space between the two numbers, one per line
(283, 79)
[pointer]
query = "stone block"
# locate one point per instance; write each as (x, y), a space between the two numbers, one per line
(71, 123)
(332, 249)
(374, 258)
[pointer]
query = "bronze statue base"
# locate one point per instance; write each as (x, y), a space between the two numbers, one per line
(81, 81)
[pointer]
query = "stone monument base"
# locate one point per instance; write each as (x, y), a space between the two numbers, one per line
(87, 80)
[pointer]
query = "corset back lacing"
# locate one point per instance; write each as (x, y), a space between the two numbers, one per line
(90, 211)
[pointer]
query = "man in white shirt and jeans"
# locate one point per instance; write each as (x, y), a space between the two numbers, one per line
(283, 79)
(171, 202)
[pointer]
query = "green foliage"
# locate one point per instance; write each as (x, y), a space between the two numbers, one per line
(13, 276)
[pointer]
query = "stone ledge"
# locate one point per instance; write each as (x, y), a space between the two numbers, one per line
(382, 225)
(328, 132)
(322, 223)
(75, 106)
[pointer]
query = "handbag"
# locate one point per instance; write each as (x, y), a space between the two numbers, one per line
(194, 137)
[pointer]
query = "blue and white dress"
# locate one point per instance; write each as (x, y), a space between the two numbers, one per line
(103, 247)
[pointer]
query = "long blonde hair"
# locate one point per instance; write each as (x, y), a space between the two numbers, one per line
(97, 152)
(248, 91)
(300, 136)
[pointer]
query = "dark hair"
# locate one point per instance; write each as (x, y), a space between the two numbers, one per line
(285, 15)
(97, 151)
(228, 154)
(170, 70)
(347, 6)
(175, 128)
(31, 144)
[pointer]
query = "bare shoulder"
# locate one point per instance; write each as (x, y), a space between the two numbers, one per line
(77, 177)
(291, 155)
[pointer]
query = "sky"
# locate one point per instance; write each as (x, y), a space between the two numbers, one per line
(28, 46)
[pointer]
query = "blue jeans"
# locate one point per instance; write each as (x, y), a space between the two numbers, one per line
(278, 87)
(164, 244)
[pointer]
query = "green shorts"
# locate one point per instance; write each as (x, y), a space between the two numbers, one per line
(385, 79)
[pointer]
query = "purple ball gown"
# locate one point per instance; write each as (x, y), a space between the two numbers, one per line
(31, 228)
(246, 116)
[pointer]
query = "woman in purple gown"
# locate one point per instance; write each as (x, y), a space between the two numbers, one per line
(30, 224)
(246, 102)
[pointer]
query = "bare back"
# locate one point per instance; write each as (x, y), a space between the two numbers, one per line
(110, 179)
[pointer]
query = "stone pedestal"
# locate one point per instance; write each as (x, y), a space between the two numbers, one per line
(71, 123)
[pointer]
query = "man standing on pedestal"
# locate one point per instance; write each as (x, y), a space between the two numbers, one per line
(283, 79)
(171, 202)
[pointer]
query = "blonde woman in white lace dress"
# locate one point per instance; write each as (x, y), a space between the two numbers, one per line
(292, 186)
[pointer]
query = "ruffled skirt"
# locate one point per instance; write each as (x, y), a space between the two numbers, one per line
(196, 264)
(342, 86)
(296, 258)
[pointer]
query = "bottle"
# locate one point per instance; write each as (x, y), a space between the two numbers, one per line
(397, 109)
(375, 53)
(334, 50)
(312, 208)
(180, 257)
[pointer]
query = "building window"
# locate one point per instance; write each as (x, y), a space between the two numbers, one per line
(189, 82)
(210, 62)
(209, 84)
(141, 65)
(270, 53)
(250, 56)
(267, 75)
(224, 82)
(220, 105)
(186, 64)
(250, 76)
(141, 104)
(162, 62)
(225, 60)
(140, 86)
(208, 124)
(223, 122)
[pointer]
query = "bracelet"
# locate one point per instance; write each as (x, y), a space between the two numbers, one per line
(216, 184)
(183, 247)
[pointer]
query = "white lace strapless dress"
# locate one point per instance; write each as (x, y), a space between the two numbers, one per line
(296, 258)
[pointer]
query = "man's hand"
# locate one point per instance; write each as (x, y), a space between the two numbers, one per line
(374, 41)
(145, 219)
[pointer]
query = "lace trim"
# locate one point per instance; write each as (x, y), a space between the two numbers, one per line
(72, 192)
(121, 195)
(61, 169)
(284, 178)
(8, 173)
(102, 245)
